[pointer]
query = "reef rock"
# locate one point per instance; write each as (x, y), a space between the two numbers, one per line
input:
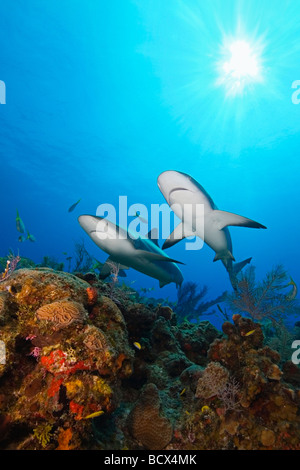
(61, 370)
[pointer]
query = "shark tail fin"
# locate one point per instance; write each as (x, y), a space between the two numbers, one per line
(237, 267)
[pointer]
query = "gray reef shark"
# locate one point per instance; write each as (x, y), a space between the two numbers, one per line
(142, 254)
(182, 193)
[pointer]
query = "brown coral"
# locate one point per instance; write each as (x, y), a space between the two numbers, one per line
(61, 313)
(147, 425)
(2, 304)
(35, 287)
(106, 314)
(214, 379)
(95, 339)
(267, 437)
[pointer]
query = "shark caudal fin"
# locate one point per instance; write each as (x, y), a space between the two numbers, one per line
(233, 271)
(237, 267)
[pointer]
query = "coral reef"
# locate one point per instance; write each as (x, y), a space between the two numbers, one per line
(85, 369)
(60, 369)
(243, 401)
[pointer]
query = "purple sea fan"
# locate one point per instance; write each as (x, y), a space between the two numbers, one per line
(228, 395)
(11, 265)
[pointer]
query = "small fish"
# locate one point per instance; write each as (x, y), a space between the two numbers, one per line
(205, 408)
(292, 295)
(187, 412)
(147, 289)
(73, 206)
(220, 308)
(30, 237)
(21, 238)
(10, 289)
(19, 223)
(94, 415)
(249, 333)
(182, 392)
(137, 345)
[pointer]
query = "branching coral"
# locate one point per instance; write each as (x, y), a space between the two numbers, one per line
(190, 302)
(268, 299)
(11, 265)
(228, 395)
(43, 434)
(83, 260)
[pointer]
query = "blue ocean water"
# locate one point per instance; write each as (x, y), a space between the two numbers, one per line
(101, 97)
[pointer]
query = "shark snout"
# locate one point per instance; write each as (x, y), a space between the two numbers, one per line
(92, 224)
(86, 222)
(166, 182)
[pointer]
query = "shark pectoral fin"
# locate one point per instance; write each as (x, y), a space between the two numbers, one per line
(237, 267)
(106, 269)
(177, 235)
(122, 266)
(150, 256)
(122, 273)
(162, 284)
(223, 219)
